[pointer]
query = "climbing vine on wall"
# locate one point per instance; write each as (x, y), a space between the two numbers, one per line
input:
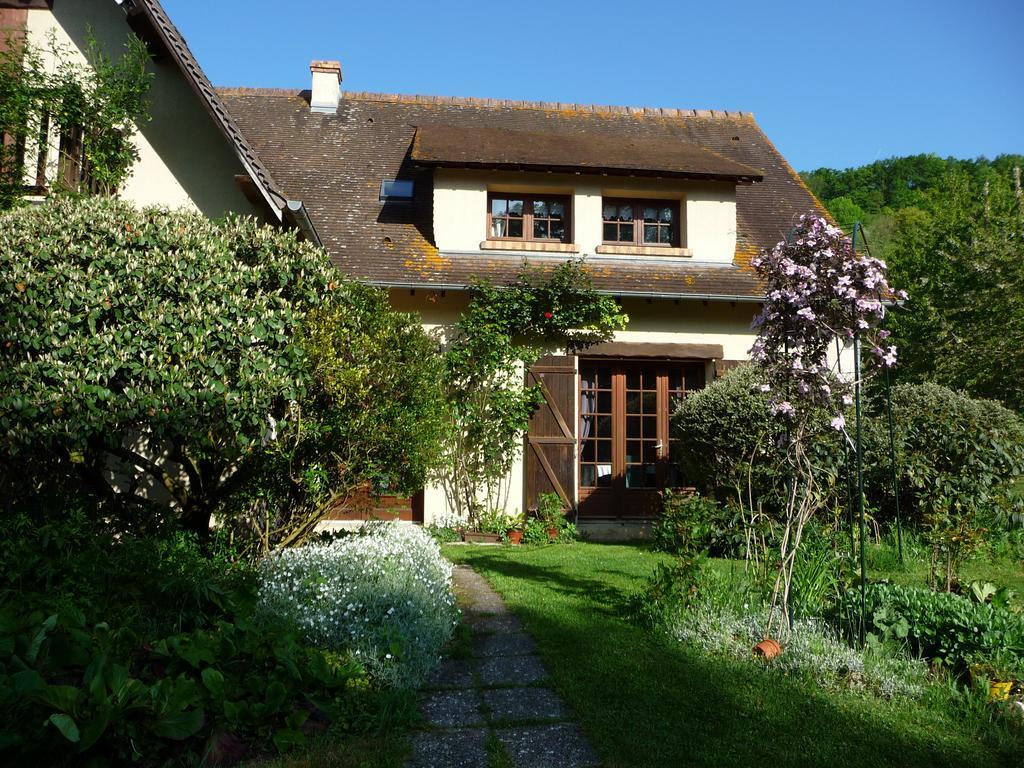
(86, 112)
(502, 332)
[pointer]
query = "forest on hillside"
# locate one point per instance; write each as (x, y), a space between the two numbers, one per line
(952, 233)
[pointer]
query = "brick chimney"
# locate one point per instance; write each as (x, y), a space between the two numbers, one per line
(326, 86)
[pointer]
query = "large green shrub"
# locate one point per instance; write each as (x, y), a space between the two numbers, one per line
(142, 334)
(726, 433)
(957, 458)
(954, 451)
(121, 324)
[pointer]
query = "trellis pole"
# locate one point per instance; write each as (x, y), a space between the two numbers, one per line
(860, 465)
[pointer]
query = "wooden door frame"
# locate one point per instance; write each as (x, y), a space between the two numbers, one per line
(620, 366)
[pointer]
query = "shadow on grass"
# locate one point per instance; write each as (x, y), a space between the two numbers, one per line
(648, 702)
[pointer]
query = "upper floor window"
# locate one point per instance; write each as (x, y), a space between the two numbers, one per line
(528, 217)
(640, 222)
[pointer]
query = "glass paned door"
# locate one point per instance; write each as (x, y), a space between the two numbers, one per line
(624, 440)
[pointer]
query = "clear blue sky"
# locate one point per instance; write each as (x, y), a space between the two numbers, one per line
(833, 82)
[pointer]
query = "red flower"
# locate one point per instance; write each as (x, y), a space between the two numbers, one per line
(548, 315)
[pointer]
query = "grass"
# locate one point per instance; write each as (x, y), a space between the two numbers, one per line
(644, 701)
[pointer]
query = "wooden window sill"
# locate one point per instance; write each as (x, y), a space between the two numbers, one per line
(641, 250)
(528, 245)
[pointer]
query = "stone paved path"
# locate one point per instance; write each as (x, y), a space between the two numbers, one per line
(495, 701)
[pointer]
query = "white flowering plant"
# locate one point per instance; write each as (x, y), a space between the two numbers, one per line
(813, 649)
(384, 594)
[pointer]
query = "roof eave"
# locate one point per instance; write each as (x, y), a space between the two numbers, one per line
(271, 194)
(434, 286)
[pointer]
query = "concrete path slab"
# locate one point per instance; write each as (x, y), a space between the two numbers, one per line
(449, 749)
(505, 644)
(462, 705)
(547, 746)
(519, 704)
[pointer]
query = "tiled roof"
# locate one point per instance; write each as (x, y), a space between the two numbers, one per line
(156, 20)
(334, 163)
(457, 146)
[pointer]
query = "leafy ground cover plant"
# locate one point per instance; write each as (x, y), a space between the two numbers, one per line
(385, 594)
(951, 629)
(70, 691)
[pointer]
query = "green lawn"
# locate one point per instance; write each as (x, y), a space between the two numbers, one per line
(647, 702)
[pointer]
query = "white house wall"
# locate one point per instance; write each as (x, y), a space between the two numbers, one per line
(660, 321)
(184, 160)
(460, 208)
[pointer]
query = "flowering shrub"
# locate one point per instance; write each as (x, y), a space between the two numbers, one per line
(818, 290)
(385, 594)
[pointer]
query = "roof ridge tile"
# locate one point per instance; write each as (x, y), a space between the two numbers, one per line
(554, 106)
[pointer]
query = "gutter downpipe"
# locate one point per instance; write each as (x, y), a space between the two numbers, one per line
(297, 215)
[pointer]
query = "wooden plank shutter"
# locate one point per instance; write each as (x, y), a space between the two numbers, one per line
(551, 438)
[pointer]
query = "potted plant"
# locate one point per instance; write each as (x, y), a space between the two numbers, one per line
(548, 522)
(514, 533)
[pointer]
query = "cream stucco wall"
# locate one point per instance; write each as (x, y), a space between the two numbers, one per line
(184, 160)
(657, 321)
(460, 207)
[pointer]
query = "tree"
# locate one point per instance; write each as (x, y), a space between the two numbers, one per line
(154, 349)
(962, 259)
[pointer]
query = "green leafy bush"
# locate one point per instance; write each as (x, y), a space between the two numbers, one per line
(725, 432)
(954, 452)
(226, 366)
(122, 327)
(939, 625)
(71, 692)
(693, 523)
(958, 457)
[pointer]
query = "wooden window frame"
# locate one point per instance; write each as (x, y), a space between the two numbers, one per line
(638, 221)
(620, 370)
(528, 217)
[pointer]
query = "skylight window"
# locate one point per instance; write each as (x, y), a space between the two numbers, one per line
(399, 190)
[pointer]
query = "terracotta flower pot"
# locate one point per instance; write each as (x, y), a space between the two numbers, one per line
(515, 537)
(552, 533)
(767, 649)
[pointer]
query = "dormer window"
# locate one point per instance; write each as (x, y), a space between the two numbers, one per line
(641, 222)
(537, 218)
